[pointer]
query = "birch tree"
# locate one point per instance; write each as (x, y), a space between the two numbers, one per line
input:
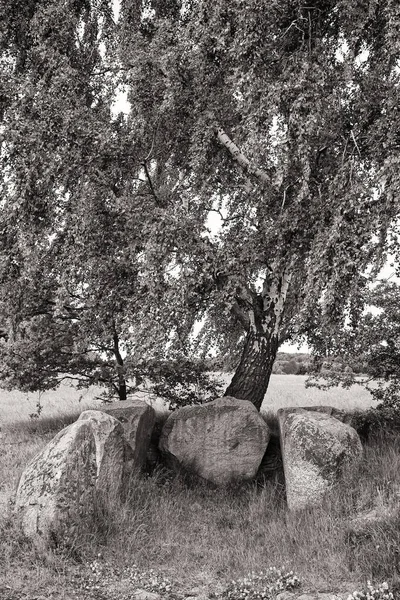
(280, 119)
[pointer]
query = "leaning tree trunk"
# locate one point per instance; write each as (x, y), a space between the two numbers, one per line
(121, 386)
(251, 378)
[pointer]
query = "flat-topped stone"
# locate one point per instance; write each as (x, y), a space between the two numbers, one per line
(137, 419)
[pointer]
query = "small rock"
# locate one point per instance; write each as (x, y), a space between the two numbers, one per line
(145, 595)
(193, 592)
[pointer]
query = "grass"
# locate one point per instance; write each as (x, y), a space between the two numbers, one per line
(283, 390)
(174, 535)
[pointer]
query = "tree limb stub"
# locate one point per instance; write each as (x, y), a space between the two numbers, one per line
(240, 158)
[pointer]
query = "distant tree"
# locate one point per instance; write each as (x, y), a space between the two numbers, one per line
(371, 347)
(379, 339)
(290, 367)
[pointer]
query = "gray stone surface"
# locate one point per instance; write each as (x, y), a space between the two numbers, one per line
(57, 489)
(309, 596)
(145, 595)
(110, 451)
(137, 419)
(221, 441)
(315, 448)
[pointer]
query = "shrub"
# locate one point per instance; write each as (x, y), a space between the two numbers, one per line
(380, 592)
(382, 420)
(290, 368)
(260, 586)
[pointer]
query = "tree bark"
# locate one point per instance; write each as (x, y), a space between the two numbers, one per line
(251, 378)
(121, 387)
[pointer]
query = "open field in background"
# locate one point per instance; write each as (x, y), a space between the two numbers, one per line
(196, 535)
(283, 391)
(290, 390)
(17, 406)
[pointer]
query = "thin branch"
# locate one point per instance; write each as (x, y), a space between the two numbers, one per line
(146, 170)
(284, 197)
(355, 143)
(153, 140)
(75, 378)
(225, 219)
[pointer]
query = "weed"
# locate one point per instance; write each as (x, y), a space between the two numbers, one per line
(262, 585)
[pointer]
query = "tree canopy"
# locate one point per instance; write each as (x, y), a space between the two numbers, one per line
(373, 342)
(280, 119)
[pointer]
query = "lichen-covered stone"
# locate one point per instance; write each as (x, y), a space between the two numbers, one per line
(221, 441)
(315, 448)
(57, 489)
(137, 419)
(110, 450)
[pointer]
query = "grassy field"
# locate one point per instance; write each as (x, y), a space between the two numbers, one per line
(284, 390)
(179, 537)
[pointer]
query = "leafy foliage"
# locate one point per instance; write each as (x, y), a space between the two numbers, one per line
(383, 421)
(280, 120)
(373, 341)
(77, 214)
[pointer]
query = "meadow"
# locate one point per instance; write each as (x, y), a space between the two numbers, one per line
(178, 537)
(283, 390)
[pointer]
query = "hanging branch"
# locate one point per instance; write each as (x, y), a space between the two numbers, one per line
(146, 170)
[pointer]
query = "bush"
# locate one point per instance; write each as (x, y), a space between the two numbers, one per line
(376, 422)
(291, 367)
(303, 368)
(182, 382)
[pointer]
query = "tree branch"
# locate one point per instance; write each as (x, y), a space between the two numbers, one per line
(146, 170)
(241, 315)
(240, 158)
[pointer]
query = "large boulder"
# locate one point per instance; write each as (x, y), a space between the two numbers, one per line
(221, 441)
(60, 487)
(137, 419)
(56, 491)
(315, 448)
